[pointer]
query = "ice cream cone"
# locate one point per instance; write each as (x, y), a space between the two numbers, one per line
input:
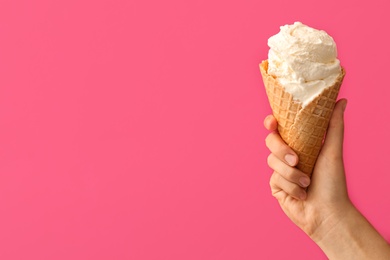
(303, 129)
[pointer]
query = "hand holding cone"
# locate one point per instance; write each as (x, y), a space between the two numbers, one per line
(302, 128)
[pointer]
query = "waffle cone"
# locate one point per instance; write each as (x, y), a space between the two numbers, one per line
(303, 129)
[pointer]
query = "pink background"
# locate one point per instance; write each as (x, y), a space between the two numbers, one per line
(133, 129)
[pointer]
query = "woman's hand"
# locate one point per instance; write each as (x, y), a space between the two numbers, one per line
(323, 209)
(321, 200)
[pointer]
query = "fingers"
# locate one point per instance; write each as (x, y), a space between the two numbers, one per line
(280, 149)
(289, 173)
(286, 180)
(270, 123)
(280, 185)
(276, 144)
(333, 144)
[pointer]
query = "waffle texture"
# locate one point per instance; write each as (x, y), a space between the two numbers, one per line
(303, 129)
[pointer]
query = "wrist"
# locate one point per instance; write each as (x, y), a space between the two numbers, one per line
(328, 227)
(350, 236)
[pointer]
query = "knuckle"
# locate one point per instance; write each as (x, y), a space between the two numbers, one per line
(268, 141)
(266, 121)
(271, 183)
(277, 178)
(334, 158)
(274, 193)
(277, 147)
(272, 180)
(269, 159)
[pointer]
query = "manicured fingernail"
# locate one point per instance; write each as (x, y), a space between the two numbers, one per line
(290, 159)
(302, 196)
(304, 181)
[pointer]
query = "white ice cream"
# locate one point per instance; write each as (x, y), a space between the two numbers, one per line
(304, 60)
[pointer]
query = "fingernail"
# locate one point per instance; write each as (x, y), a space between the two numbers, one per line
(302, 196)
(290, 159)
(304, 181)
(345, 105)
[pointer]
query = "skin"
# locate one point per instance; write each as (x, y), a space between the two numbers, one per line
(320, 206)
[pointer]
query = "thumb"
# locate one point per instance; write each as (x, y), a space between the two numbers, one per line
(333, 144)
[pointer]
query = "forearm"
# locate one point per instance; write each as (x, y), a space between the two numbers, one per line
(351, 237)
